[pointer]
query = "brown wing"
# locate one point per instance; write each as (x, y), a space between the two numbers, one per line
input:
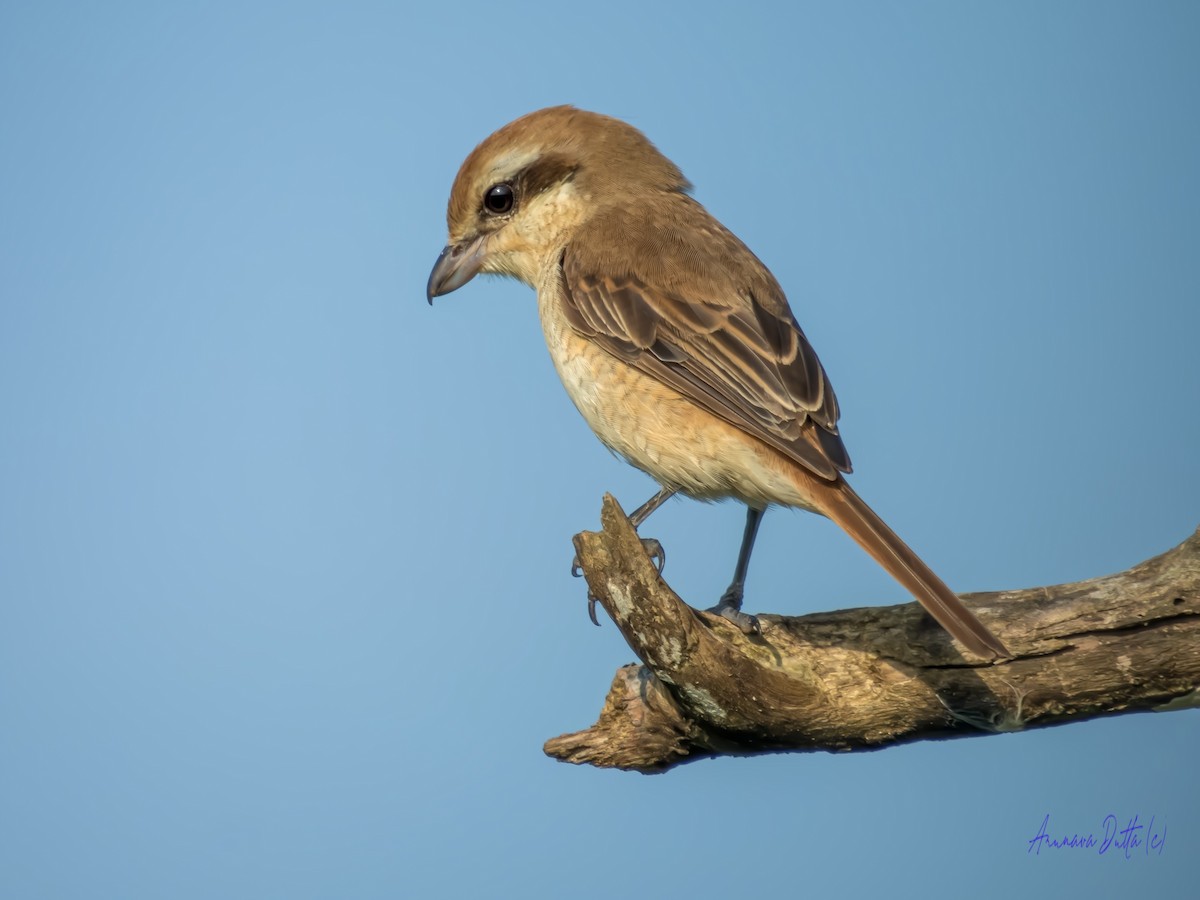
(741, 357)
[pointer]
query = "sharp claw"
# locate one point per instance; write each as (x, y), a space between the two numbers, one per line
(656, 552)
(653, 549)
(729, 607)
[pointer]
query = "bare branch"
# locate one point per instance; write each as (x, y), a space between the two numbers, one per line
(861, 679)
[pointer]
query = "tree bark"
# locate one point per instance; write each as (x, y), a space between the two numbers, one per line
(861, 679)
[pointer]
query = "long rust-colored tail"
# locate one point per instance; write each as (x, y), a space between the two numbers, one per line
(871, 533)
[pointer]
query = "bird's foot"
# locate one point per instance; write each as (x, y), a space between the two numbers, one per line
(730, 607)
(653, 549)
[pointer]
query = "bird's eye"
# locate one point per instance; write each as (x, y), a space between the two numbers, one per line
(498, 199)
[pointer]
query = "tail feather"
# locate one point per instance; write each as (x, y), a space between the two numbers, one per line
(871, 533)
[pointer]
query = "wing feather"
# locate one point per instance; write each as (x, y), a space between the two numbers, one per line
(744, 360)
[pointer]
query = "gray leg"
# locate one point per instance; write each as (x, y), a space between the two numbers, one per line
(652, 547)
(642, 513)
(730, 604)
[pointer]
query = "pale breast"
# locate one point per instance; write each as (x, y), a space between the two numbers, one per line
(658, 430)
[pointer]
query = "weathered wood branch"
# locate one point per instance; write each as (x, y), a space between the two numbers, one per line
(860, 679)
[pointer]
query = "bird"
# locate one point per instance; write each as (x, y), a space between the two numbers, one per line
(672, 339)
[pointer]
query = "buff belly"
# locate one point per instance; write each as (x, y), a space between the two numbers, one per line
(662, 433)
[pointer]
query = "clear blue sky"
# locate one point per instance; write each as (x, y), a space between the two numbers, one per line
(285, 609)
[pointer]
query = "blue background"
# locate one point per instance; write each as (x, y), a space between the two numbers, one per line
(284, 597)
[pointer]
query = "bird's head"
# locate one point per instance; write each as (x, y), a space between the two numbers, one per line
(521, 193)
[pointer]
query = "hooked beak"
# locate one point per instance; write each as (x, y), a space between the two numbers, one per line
(457, 264)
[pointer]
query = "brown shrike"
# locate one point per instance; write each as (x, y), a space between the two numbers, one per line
(673, 340)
